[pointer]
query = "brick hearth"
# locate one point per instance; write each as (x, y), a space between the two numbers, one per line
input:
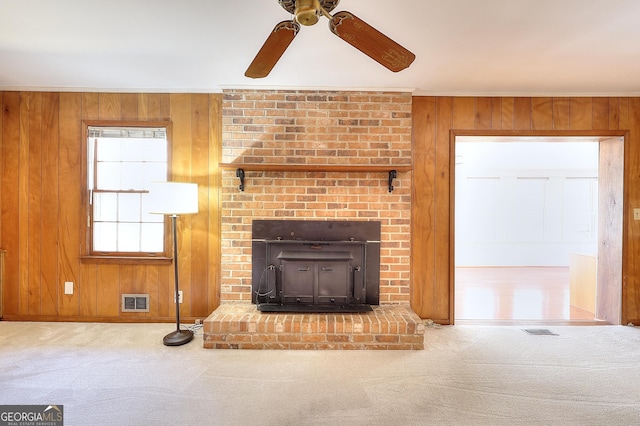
(242, 326)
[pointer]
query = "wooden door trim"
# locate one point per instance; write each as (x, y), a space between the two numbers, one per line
(603, 134)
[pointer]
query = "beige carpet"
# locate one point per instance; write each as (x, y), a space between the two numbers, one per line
(121, 374)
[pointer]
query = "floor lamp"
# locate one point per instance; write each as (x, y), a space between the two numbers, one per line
(174, 199)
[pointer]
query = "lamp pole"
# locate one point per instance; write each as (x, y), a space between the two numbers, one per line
(178, 337)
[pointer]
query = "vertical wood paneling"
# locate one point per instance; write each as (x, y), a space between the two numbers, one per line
(181, 148)
(143, 106)
(166, 308)
(200, 222)
(164, 106)
(23, 206)
(129, 106)
(108, 290)
(614, 113)
(109, 107)
(496, 113)
(423, 245)
(50, 203)
(630, 114)
(440, 293)
(35, 204)
(624, 114)
(580, 114)
(507, 113)
(132, 279)
(90, 106)
(153, 107)
(464, 110)
(522, 113)
(560, 114)
(483, 114)
(88, 290)
(541, 113)
(151, 284)
(10, 193)
(600, 113)
(69, 178)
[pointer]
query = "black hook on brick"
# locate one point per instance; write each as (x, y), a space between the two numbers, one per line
(240, 174)
(392, 175)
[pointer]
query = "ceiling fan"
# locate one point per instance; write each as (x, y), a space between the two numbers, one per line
(344, 24)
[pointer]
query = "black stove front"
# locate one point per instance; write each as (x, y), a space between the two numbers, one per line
(315, 266)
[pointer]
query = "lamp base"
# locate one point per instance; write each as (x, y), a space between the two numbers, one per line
(178, 337)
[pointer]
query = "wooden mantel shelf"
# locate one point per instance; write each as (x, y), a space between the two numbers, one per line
(257, 167)
(240, 168)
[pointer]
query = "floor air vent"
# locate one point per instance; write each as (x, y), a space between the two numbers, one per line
(135, 303)
(539, 332)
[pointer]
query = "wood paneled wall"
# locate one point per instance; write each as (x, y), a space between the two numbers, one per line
(436, 118)
(41, 210)
(41, 189)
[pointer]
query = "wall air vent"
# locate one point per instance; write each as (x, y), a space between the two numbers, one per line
(135, 303)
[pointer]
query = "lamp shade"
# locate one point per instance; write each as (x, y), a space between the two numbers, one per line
(173, 198)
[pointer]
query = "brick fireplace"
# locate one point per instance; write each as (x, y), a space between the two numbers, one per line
(315, 155)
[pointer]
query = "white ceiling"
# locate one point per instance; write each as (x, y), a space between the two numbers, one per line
(462, 47)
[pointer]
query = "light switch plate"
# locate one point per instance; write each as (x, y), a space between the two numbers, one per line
(68, 287)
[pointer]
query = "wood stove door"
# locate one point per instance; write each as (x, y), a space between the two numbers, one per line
(333, 282)
(316, 282)
(298, 282)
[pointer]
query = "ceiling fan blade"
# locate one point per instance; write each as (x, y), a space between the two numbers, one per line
(370, 41)
(272, 49)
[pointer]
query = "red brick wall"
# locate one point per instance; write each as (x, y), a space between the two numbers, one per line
(316, 128)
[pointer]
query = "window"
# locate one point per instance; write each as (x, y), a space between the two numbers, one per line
(121, 161)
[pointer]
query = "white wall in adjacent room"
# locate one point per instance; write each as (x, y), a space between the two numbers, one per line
(525, 203)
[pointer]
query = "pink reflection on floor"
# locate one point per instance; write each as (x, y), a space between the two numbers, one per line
(515, 293)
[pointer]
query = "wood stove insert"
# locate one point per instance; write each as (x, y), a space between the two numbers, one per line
(315, 266)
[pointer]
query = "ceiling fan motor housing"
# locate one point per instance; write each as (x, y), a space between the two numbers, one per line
(307, 12)
(291, 5)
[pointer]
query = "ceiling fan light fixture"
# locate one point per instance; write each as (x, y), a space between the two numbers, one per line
(306, 12)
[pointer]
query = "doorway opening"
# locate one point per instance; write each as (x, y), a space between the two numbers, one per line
(538, 229)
